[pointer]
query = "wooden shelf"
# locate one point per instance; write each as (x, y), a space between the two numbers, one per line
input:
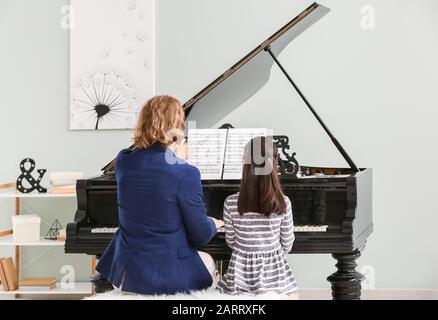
(82, 288)
(15, 194)
(9, 241)
(8, 191)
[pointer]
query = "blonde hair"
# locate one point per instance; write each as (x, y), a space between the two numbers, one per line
(161, 120)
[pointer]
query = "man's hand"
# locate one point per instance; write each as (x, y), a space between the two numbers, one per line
(218, 223)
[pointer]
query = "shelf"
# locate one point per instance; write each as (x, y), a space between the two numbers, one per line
(16, 194)
(82, 288)
(9, 241)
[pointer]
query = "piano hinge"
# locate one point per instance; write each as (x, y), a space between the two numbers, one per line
(266, 44)
(227, 73)
(189, 103)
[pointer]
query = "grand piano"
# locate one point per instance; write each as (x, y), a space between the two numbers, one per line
(332, 207)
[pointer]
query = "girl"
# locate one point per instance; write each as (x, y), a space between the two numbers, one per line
(259, 227)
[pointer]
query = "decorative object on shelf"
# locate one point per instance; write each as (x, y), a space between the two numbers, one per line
(55, 232)
(26, 227)
(38, 282)
(111, 81)
(7, 269)
(26, 175)
(64, 182)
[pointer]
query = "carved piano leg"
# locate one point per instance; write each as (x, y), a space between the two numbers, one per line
(346, 282)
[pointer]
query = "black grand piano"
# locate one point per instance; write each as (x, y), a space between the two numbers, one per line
(332, 207)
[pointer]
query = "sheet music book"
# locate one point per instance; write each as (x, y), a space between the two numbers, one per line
(206, 151)
(217, 153)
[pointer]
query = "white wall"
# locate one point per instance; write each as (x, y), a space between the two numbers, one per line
(374, 89)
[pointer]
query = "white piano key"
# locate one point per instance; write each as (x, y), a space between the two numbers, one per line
(104, 230)
(310, 228)
(221, 230)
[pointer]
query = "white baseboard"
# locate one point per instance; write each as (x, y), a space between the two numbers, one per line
(375, 294)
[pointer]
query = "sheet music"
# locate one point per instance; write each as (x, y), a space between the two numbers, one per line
(236, 141)
(206, 151)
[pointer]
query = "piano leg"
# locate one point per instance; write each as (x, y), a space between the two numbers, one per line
(100, 284)
(346, 281)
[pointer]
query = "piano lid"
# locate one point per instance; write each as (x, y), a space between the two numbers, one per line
(249, 75)
(246, 77)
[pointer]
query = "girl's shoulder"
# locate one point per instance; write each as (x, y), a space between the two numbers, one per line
(286, 199)
(230, 203)
(232, 198)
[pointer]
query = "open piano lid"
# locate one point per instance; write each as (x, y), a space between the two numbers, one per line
(249, 75)
(246, 77)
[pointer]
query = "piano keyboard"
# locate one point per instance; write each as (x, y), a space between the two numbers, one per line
(301, 228)
(104, 230)
(307, 228)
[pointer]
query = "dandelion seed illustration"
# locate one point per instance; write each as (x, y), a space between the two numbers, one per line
(129, 50)
(106, 97)
(131, 5)
(141, 36)
(105, 52)
(147, 64)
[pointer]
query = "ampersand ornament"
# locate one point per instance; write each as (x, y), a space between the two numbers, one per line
(26, 175)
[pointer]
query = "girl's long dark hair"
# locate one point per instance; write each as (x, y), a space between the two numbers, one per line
(260, 188)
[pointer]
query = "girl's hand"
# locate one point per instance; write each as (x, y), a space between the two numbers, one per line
(217, 223)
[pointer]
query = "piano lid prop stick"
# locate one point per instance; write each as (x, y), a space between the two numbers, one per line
(326, 129)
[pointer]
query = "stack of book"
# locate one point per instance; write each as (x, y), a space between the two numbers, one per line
(64, 182)
(9, 278)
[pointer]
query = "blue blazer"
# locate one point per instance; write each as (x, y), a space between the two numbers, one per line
(162, 216)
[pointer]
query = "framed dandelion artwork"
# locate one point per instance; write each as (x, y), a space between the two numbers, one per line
(111, 62)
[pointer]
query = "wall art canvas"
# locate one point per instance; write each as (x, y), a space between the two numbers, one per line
(111, 62)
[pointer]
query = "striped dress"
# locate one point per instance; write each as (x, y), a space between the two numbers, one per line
(259, 246)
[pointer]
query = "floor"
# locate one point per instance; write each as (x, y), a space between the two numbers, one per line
(325, 294)
(378, 294)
